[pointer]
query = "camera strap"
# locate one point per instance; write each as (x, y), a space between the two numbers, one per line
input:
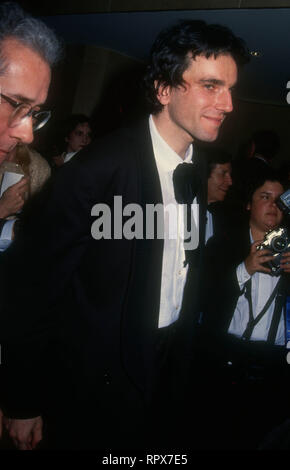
(254, 321)
(287, 320)
(280, 299)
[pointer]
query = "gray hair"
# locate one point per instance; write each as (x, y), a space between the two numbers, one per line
(15, 23)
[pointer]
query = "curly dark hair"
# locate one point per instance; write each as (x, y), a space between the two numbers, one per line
(216, 156)
(268, 174)
(175, 46)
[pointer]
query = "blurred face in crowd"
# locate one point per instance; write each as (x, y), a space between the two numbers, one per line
(219, 182)
(79, 137)
(264, 213)
(26, 80)
(197, 108)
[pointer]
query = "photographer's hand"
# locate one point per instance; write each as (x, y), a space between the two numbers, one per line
(285, 262)
(256, 259)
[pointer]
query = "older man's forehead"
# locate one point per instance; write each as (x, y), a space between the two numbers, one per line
(27, 75)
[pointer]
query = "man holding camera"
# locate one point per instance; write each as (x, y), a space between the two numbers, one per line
(246, 321)
(264, 216)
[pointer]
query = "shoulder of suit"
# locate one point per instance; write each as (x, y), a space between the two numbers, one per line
(120, 145)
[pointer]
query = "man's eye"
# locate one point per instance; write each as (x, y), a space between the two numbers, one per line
(209, 86)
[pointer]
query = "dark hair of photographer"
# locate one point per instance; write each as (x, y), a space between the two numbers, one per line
(216, 156)
(267, 175)
(177, 45)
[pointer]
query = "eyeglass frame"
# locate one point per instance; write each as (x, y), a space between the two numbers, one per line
(16, 104)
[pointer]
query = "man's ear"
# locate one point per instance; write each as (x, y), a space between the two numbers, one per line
(248, 206)
(163, 92)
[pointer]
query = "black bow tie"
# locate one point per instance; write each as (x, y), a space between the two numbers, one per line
(186, 182)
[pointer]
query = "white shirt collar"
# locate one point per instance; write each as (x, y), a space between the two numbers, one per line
(68, 156)
(165, 156)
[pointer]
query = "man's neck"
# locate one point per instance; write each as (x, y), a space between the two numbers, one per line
(257, 233)
(177, 139)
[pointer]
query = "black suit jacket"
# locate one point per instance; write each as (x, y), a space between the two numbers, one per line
(79, 316)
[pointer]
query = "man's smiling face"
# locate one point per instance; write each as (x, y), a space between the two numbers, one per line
(219, 182)
(197, 108)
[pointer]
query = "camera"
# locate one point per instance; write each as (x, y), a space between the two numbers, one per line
(277, 242)
(283, 202)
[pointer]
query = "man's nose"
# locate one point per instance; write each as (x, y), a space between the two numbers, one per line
(229, 180)
(86, 139)
(23, 132)
(224, 101)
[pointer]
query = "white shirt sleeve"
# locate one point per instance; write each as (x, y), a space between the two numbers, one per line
(242, 275)
(6, 234)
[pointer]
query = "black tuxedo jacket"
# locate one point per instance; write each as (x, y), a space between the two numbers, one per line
(79, 316)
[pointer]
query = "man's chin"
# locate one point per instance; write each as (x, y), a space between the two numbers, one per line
(209, 135)
(271, 226)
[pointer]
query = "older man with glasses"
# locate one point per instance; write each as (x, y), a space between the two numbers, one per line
(28, 51)
(25, 72)
(22, 110)
(15, 187)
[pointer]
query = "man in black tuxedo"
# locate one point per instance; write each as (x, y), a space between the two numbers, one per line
(99, 334)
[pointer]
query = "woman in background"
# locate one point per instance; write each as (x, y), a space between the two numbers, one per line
(76, 135)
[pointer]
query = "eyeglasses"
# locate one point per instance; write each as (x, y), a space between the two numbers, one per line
(22, 111)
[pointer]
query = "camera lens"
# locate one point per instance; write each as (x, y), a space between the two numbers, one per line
(279, 244)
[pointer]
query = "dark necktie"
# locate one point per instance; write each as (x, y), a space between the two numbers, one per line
(186, 183)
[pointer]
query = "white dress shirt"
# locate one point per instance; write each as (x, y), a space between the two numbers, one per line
(208, 227)
(173, 271)
(262, 287)
(6, 234)
(68, 156)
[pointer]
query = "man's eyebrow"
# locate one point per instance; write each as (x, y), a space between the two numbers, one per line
(213, 81)
(23, 99)
(216, 81)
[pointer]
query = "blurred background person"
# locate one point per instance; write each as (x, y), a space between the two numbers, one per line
(257, 156)
(75, 135)
(219, 180)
